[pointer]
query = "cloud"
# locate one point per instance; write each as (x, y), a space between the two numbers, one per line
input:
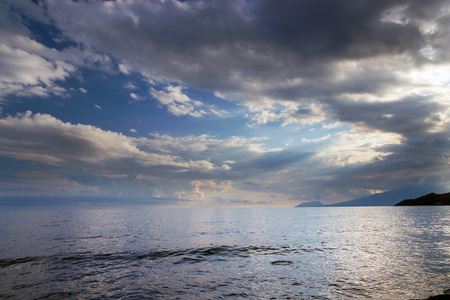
(224, 193)
(287, 62)
(25, 73)
(201, 187)
(236, 47)
(136, 97)
(178, 103)
(317, 140)
(86, 160)
(47, 182)
(356, 147)
(130, 86)
(289, 114)
(372, 77)
(30, 68)
(210, 145)
(413, 117)
(14, 15)
(49, 141)
(274, 161)
(45, 139)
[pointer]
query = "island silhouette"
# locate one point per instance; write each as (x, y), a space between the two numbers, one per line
(401, 197)
(429, 199)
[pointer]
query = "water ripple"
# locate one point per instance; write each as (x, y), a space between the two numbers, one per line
(378, 253)
(187, 255)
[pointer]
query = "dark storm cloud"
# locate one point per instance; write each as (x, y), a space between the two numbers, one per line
(372, 81)
(221, 45)
(317, 31)
(412, 117)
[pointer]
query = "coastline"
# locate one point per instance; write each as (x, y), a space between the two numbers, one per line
(445, 295)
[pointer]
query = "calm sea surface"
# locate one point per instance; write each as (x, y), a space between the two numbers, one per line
(288, 253)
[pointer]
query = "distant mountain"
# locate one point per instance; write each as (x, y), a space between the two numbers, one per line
(429, 199)
(388, 198)
(311, 204)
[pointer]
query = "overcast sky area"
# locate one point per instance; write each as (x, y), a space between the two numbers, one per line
(212, 103)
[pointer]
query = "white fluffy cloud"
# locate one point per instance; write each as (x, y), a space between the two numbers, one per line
(25, 73)
(43, 138)
(178, 103)
(135, 97)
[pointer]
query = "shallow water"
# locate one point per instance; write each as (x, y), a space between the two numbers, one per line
(297, 253)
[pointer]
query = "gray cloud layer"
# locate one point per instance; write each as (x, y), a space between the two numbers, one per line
(222, 45)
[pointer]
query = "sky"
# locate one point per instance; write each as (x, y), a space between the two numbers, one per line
(212, 103)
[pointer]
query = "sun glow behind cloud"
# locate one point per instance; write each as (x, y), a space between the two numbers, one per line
(353, 147)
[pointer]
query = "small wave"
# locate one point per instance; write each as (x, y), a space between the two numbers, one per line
(4, 263)
(237, 295)
(282, 262)
(57, 295)
(190, 255)
(92, 237)
(22, 286)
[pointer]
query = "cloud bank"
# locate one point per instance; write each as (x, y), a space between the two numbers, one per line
(343, 98)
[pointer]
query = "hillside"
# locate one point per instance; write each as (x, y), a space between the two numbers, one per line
(429, 199)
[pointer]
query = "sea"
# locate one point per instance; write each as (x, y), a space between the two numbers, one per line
(228, 253)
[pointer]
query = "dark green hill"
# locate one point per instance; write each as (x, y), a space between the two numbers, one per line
(429, 199)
